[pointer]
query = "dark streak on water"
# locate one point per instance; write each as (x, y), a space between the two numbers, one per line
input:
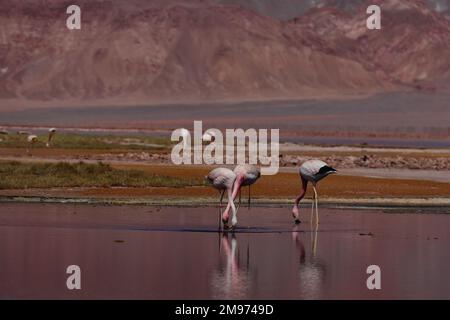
(177, 253)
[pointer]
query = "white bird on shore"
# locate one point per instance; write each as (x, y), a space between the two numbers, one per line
(208, 136)
(223, 180)
(311, 171)
(32, 139)
(3, 133)
(51, 133)
(185, 134)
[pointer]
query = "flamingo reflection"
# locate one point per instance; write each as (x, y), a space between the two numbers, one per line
(231, 281)
(312, 270)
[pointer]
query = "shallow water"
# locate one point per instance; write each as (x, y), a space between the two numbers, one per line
(176, 253)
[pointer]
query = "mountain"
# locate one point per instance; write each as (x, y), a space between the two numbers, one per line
(289, 9)
(145, 52)
(165, 53)
(413, 47)
(440, 6)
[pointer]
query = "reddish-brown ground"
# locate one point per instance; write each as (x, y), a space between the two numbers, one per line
(281, 186)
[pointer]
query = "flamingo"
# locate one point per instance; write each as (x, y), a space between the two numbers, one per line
(208, 136)
(223, 180)
(311, 171)
(246, 175)
(32, 139)
(3, 133)
(51, 133)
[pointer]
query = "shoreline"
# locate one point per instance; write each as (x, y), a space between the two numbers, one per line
(375, 203)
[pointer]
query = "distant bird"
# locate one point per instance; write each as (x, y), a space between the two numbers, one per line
(185, 134)
(246, 175)
(208, 136)
(3, 133)
(311, 171)
(32, 139)
(23, 133)
(223, 180)
(51, 133)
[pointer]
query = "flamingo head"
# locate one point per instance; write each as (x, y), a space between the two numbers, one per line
(295, 209)
(234, 221)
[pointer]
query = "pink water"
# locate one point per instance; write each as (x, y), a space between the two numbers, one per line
(153, 252)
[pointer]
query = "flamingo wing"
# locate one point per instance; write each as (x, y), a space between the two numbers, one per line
(314, 170)
(221, 178)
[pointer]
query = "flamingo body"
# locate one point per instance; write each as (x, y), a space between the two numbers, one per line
(221, 178)
(315, 170)
(32, 138)
(208, 136)
(248, 173)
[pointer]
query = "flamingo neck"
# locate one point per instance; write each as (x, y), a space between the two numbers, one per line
(231, 202)
(237, 185)
(225, 215)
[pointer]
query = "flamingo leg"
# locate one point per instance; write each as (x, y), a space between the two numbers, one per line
(314, 243)
(240, 196)
(221, 197)
(312, 211)
(249, 197)
(220, 211)
(314, 231)
(317, 206)
(234, 211)
(295, 209)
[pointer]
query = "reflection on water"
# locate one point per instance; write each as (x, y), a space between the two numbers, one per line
(176, 253)
(232, 278)
(311, 271)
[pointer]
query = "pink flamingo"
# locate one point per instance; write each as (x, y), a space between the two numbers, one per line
(246, 175)
(311, 171)
(223, 180)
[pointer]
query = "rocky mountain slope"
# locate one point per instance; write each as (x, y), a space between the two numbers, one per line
(413, 47)
(159, 51)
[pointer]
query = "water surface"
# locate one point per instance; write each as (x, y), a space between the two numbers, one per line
(153, 252)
